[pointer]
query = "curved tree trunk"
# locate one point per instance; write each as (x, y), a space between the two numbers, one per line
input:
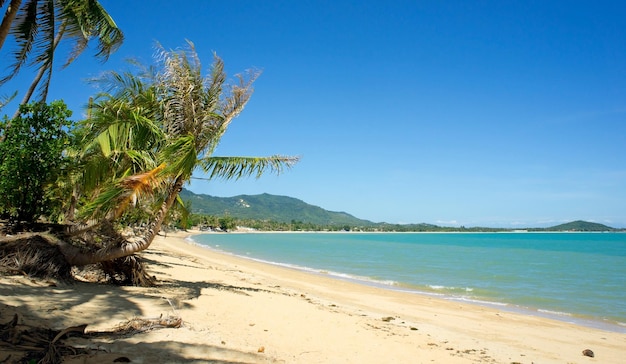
(7, 20)
(76, 257)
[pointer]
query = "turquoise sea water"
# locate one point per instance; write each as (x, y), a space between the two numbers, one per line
(577, 277)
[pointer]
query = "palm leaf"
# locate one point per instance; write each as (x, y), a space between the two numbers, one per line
(24, 31)
(238, 167)
(116, 197)
(137, 186)
(104, 202)
(86, 20)
(4, 99)
(181, 156)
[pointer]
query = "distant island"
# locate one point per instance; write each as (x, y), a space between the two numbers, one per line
(281, 213)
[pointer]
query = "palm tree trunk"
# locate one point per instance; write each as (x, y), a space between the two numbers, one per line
(76, 257)
(9, 16)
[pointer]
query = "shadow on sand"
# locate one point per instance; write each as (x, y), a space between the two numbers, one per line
(53, 305)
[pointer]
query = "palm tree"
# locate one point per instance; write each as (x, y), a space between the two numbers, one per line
(40, 25)
(192, 113)
(8, 18)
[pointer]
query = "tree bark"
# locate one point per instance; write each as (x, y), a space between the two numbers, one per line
(7, 20)
(77, 257)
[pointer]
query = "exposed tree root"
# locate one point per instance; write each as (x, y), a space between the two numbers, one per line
(45, 346)
(39, 344)
(128, 271)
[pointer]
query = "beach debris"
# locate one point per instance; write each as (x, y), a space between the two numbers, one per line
(388, 318)
(139, 325)
(33, 255)
(261, 349)
(413, 328)
(588, 352)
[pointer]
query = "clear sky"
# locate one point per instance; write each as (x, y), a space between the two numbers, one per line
(474, 113)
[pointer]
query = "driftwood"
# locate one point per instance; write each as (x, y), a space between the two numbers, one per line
(137, 324)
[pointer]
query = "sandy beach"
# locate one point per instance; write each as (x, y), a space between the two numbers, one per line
(240, 311)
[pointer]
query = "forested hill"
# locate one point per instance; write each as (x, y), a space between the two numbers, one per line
(268, 207)
(580, 226)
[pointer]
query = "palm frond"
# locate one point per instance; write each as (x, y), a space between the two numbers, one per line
(4, 99)
(114, 198)
(182, 88)
(181, 156)
(138, 185)
(215, 83)
(24, 30)
(103, 203)
(232, 105)
(87, 20)
(238, 167)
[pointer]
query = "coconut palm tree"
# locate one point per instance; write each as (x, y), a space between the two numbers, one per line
(40, 25)
(8, 18)
(192, 113)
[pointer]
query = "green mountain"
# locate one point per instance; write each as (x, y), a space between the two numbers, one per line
(580, 225)
(268, 207)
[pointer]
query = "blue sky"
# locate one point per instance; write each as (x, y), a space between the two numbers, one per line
(474, 113)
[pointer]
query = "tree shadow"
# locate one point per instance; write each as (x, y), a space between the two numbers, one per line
(109, 306)
(174, 352)
(110, 300)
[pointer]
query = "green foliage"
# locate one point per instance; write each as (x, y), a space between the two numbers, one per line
(227, 223)
(32, 158)
(169, 116)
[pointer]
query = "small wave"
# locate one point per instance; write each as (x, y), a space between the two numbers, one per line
(340, 275)
(480, 302)
(557, 313)
(453, 289)
(351, 277)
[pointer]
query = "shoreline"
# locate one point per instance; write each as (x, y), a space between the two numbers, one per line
(519, 317)
(238, 310)
(243, 230)
(566, 317)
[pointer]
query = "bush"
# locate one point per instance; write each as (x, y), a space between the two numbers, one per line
(31, 158)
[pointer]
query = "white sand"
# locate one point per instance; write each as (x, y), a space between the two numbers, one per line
(240, 311)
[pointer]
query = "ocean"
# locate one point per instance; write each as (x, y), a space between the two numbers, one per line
(575, 277)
